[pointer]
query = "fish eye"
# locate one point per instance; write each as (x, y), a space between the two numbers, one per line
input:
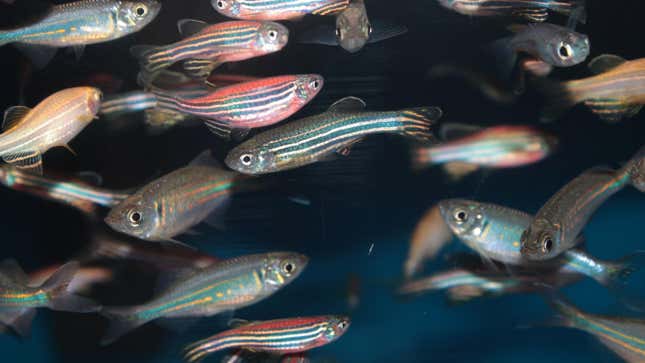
(246, 159)
(369, 29)
(314, 84)
(141, 10)
(338, 33)
(547, 244)
(273, 35)
(461, 216)
(342, 325)
(221, 4)
(288, 268)
(565, 51)
(135, 217)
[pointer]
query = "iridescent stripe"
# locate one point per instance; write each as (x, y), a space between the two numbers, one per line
(130, 102)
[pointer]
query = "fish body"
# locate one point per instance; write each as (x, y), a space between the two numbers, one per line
(84, 278)
(315, 138)
(283, 336)
(55, 121)
(556, 45)
(277, 9)
(125, 103)
(531, 10)
(229, 285)
(80, 195)
(429, 236)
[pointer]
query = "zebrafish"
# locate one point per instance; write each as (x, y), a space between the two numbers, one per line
(320, 137)
(80, 195)
(490, 148)
(80, 23)
(624, 336)
(226, 286)
(282, 336)
(172, 204)
(277, 9)
(243, 106)
(430, 235)
(531, 10)
(353, 30)
(55, 121)
(18, 300)
(205, 46)
(614, 91)
(557, 225)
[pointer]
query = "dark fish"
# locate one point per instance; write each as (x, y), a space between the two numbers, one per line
(84, 278)
(531, 10)
(277, 9)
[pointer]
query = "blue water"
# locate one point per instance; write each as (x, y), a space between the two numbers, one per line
(360, 225)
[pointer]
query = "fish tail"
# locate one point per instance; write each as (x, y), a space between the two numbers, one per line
(152, 60)
(636, 169)
(566, 312)
(60, 298)
(559, 99)
(122, 321)
(127, 103)
(624, 278)
(417, 123)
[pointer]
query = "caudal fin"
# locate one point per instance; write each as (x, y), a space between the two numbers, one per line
(418, 122)
(122, 321)
(152, 60)
(60, 298)
(625, 279)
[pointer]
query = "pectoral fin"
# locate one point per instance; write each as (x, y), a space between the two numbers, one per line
(383, 30)
(29, 160)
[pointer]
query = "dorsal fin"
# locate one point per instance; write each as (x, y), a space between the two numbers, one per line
(237, 323)
(348, 104)
(205, 158)
(604, 63)
(12, 269)
(13, 116)
(517, 28)
(190, 27)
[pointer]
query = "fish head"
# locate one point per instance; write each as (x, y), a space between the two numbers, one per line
(567, 48)
(540, 241)
(251, 158)
(229, 8)
(272, 37)
(336, 326)
(308, 86)
(135, 217)
(353, 28)
(280, 268)
(464, 217)
(133, 16)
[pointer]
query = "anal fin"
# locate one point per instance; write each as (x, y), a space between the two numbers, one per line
(199, 68)
(533, 15)
(612, 110)
(29, 160)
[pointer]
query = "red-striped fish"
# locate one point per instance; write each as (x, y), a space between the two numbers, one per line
(283, 336)
(277, 9)
(246, 105)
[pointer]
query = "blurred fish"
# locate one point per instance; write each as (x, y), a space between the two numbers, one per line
(624, 336)
(536, 67)
(430, 235)
(83, 279)
(172, 204)
(283, 336)
(491, 148)
(81, 195)
(353, 30)
(353, 291)
(18, 300)
(321, 137)
(241, 107)
(613, 93)
(78, 24)
(491, 87)
(226, 286)
(205, 46)
(557, 225)
(531, 10)
(295, 358)
(277, 9)
(53, 122)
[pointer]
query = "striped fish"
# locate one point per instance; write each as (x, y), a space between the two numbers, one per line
(53, 122)
(624, 336)
(81, 23)
(616, 90)
(207, 46)
(18, 300)
(246, 105)
(76, 194)
(531, 10)
(315, 138)
(491, 148)
(283, 336)
(277, 9)
(225, 286)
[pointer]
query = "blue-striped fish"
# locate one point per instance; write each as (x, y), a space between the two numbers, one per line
(531, 10)
(277, 9)
(315, 138)
(83, 22)
(225, 286)
(83, 196)
(283, 336)
(207, 46)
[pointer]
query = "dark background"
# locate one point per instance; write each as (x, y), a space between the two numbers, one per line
(345, 217)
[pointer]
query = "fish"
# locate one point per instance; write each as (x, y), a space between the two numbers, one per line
(83, 196)
(226, 286)
(234, 110)
(353, 30)
(281, 336)
(84, 278)
(530, 10)
(18, 300)
(320, 137)
(624, 336)
(557, 225)
(277, 9)
(614, 92)
(491, 148)
(430, 235)
(78, 24)
(175, 202)
(205, 46)
(55, 121)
